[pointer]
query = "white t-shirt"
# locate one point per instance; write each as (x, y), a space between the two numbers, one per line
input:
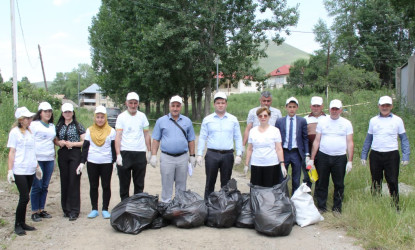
(25, 162)
(132, 131)
(263, 146)
(44, 147)
(385, 132)
(333, 135)
(103, 154)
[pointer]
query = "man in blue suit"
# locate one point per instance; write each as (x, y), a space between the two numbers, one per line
(294, 141)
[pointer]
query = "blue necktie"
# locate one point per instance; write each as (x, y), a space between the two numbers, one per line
(290, 135)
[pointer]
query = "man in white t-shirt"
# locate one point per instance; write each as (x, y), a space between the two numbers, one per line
(312, 119)
(252, 121)
(333, 146)
(382, 139)
(132, 140)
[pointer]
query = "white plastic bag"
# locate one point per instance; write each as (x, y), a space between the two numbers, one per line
(307, 213)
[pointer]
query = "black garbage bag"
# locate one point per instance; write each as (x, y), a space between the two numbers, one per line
(187, 210)
(274, 214)
(245, 218)
(135, 213)
(224, 206)
(159, 221)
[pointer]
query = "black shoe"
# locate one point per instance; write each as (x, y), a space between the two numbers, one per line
(27, 227)
(65, 215)
(19, 230)
(36, 217)
(45, 214)
(73, 217)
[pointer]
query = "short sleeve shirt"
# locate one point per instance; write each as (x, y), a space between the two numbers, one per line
(263, 145)
(70, 132)
(385, 131)
(334, 135)
(103, 154)
(253, 118)
(25, 162)
(44, 146)
(132, 127)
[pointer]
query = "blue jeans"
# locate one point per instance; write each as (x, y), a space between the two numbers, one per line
(40, 187)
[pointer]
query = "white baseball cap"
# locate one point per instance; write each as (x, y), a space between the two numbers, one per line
(291, 99)
(23, 112)
(44, 106)
(385, 100)
(132, 96)
(220, 95)
(176, 98)
(67, 107)
(100, 109)
(336, 104)
(316, 100)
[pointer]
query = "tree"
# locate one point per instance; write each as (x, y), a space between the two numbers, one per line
(168, 47)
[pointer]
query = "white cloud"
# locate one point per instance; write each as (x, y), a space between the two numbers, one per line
(60, 2)
(59, 35)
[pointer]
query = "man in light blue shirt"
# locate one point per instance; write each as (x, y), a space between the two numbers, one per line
(177, 137)
(219, 131)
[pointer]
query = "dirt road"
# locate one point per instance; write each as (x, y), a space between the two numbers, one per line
(84, 233)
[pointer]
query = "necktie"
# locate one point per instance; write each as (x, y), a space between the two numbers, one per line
(290, 135)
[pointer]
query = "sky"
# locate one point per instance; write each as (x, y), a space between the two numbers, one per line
(60, 27)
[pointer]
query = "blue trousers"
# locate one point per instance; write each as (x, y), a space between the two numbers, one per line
(40, 187)
(293, 158)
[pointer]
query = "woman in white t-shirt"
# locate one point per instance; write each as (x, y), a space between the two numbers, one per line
(22, 165)
(265, 152)
(98, 151)
(44, 133)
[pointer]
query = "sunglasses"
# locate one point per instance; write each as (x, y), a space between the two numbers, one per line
(262, 116)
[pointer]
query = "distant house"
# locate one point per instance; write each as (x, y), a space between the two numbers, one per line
(278, 77)
(405, 83)
(65, 100)
(241, 87)
(92, 97)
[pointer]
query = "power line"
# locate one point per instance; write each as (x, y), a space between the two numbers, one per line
(24, 40)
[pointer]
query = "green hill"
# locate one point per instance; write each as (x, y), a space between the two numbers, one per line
(42, 84)
(280, 55)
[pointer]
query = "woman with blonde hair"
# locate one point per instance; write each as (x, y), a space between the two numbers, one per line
(22, 165)
(99, 153)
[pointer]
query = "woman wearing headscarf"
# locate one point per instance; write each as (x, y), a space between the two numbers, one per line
(70, 137)
(22, 165)
(44, 133)
(98, 152)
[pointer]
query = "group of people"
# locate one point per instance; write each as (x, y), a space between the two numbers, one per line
(274, 143)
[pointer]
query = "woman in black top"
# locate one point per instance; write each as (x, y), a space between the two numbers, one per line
(70, 137)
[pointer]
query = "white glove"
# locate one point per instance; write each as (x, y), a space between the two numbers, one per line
(199, 160)
(153, 161)
(39, 173)
(283, 171)
(148, 156)
(79, 169)
(404, 163)
(242, 151)
(363, 162)
(307, 159)
(349, 167)
(119, 160)
(246, 168)
(310, 164)
(10, 176)
(192, 161)
(238, 160)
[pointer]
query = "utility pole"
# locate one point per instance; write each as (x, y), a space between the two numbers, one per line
(328, 59)
(14, 61)
(43, 70)
(217, 61)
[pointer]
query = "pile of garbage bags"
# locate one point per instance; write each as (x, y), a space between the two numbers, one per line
(269, 210)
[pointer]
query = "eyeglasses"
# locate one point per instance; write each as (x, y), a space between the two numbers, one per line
(262, 116)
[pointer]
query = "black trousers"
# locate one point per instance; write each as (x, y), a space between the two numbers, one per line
(385, 163)
(135, 162)
(68, 160)
(336, 167)
(265, 176)
(95, 171)
(24, 184)
(215, 162)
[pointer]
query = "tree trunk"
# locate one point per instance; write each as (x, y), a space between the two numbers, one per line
(148, 107)
(166, 106)
(158, 108)
(199, 105)
(185, 100)
(194, 105)
(208, 94)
